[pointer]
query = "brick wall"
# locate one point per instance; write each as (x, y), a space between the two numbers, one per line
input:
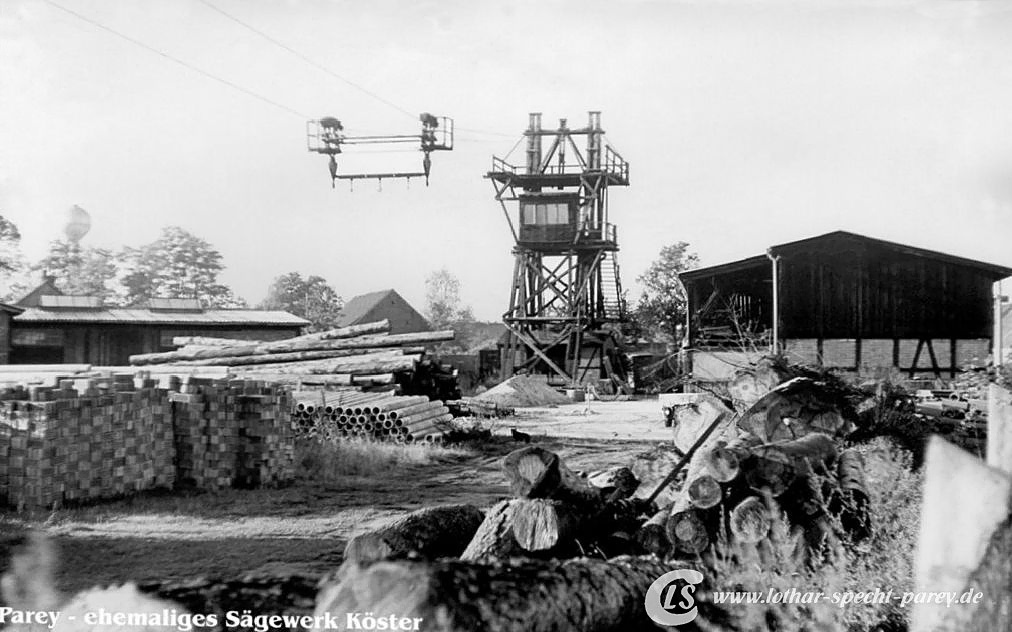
(877, 354)
(839, 353)
(804, 351)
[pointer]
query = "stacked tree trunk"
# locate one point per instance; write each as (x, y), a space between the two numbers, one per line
(554, 512)
(459, 569)
(781, 456)
(363, 355)
(739, 487)
(381, 416)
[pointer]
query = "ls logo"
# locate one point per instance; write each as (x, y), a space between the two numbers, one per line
(670, 598)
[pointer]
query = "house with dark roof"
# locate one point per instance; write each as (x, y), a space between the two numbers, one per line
(847, 301)
(388, 304)
(48, 327)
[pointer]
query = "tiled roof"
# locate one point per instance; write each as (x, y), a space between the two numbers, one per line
(151, 317)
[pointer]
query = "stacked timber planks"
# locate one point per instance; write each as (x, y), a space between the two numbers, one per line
(232, 433)
(378, 416)
(88, 439)
(108, 440)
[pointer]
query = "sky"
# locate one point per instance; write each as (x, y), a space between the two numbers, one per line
(745, 123)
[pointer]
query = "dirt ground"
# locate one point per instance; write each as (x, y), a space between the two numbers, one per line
(302, 529)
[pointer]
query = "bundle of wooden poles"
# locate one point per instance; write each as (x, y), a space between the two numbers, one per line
(363, 355)
(380, 416)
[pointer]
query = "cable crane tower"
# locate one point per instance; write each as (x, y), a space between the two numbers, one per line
(566, 305)
(326, 136)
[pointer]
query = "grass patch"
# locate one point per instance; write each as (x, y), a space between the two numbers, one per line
(332, 460)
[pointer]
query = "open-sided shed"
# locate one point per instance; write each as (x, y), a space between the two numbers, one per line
(848, 301)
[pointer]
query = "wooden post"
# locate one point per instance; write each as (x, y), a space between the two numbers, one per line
(964, 502)
(999, 427)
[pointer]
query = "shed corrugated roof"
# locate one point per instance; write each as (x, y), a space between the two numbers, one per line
(994, 270)
(151, 317)
(190, 304)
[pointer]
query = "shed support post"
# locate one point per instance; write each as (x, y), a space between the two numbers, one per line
(775, 341)
(997, 352)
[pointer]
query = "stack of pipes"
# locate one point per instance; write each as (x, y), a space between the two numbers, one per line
(379, 416)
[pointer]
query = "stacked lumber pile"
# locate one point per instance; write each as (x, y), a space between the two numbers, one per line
(90, 439)
(105, 440)
(362, 355)
(380, 416)
(232, 433)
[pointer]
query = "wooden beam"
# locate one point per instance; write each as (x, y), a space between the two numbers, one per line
(532, 345)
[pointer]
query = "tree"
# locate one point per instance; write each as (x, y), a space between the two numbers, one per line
(10, 243)
(311, 298)
(12, 263)
(443, 306)
(661, 307)
(176, 265)
(79, 270)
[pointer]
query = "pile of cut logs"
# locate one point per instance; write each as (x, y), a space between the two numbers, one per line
(579, 551)
(383, 416)
(360, 355)
(460, 568)
(772, 447)
(742, 484)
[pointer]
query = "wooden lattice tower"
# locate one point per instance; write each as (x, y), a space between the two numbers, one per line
(566, 305)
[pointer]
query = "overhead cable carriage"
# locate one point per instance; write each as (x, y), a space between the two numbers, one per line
(327, 136)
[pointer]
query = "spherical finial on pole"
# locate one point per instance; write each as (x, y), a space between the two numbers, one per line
(78, 224)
